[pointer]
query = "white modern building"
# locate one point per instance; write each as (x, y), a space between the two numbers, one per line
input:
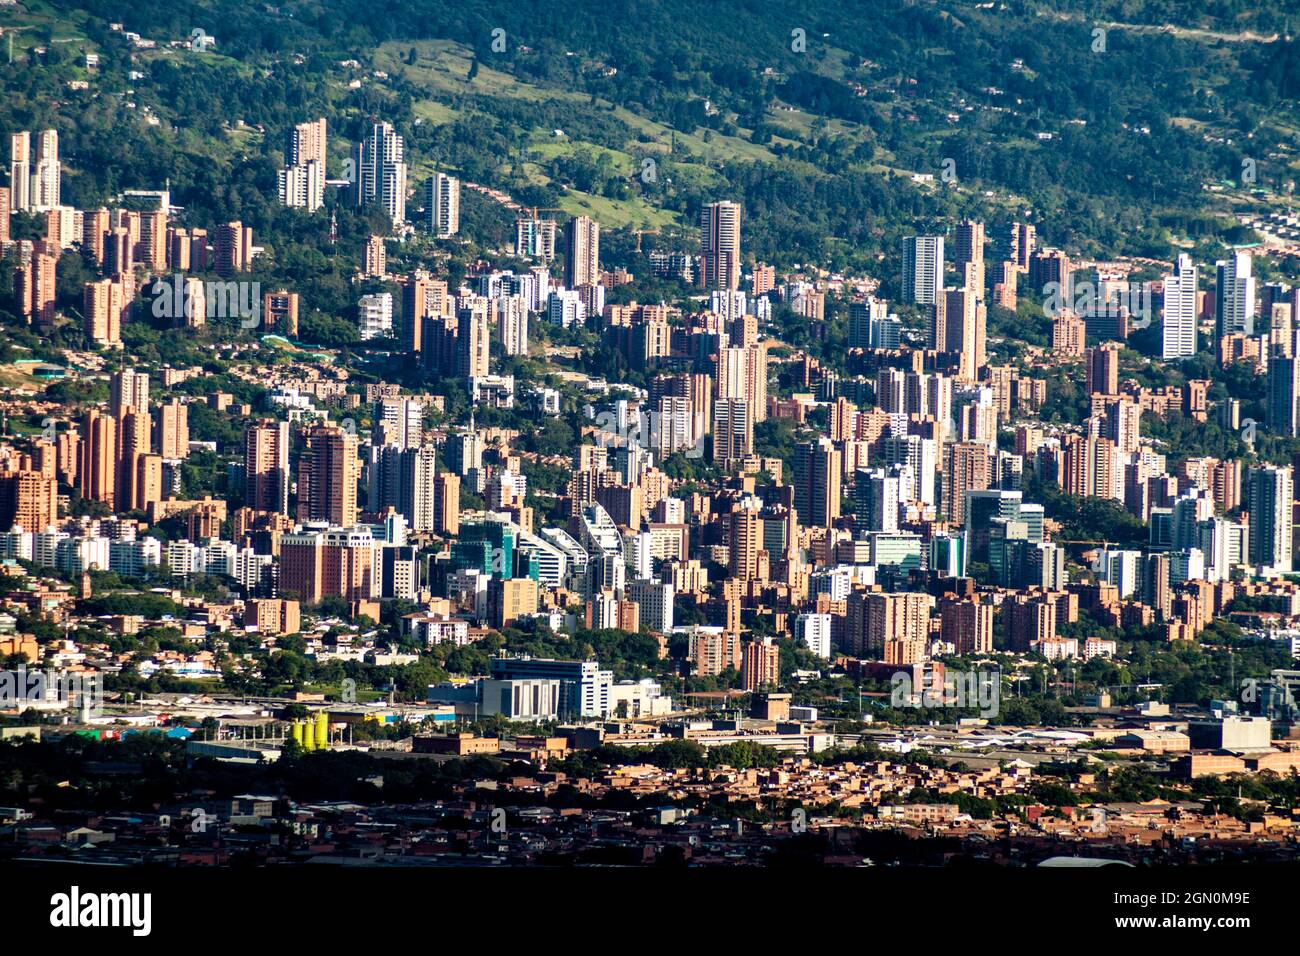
(442, 205)
(1180, 310)
(381, 172)
(923, 269)
(655, 604)
(814, 630)
(375, 315)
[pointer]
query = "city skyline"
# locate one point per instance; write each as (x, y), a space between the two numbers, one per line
(434, 444)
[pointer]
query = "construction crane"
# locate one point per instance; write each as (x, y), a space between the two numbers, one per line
(534, 210)
(643, 232)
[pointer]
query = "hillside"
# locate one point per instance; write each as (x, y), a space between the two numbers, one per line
(818, 127)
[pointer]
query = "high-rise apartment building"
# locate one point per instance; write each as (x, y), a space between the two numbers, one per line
(20, 171)
(733, 429)
(875, 620)
(28, 499)
(442, 205)
(172, 431)
(654, 600)
(1022, 240)
(510, 315)
(417, 488)
(921, 456)
(97, 470)
(147, 481)
(760, 664)
(381, 172)
(720, 245)
(34, 182)
(744, 532)
(1029, 620)
(152, 249)
(967, 624)
(535, 239)
(963, 321)
(375, 315)
(446, 504)
(306, 143)
(1091, 467)
(302, 187)
(968, 250)
(1005, 280)
(1180, 310)
(582, 258)
(1069, 334)
(232, 244)
(337, 562)
(374, 258)
(1101, 375)
(967, 469)
(398, 421)
(817, 470)
(1050, 272)
(742, 373)
(134, 439)
(94, 235)
(1122, 424)
(119, 252)
(403, 478)
(328, 472)
(266, 466)
(473, 342)
(200, 253)
(876, 499)
(1234, 295)
(423, 297)
(922, 269)
(1268, 500)
(34, 285)
(1282, 405)
(865, 323)
(128, 390)
(280, 312)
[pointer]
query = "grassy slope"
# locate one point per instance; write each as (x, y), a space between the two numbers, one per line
(442, 69)
(441, 72)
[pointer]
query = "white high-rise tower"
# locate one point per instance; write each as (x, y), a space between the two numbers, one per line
(1180, 310)
(922, 269)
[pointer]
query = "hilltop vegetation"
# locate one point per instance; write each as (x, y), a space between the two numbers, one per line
(814, 115)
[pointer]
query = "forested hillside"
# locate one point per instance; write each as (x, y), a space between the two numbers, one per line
(814, 115)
